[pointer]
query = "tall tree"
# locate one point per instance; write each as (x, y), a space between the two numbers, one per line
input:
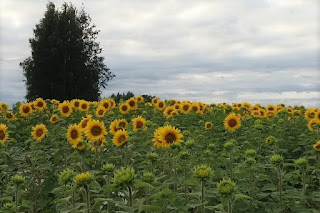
(65, 61)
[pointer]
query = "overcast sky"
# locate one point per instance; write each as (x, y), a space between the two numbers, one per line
(261, 51)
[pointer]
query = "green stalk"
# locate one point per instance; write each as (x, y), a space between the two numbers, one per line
(202, 197)
(280, 185)
(88, 198)
(231, 165)
(185, 183)
(16, 199)
(130, 195)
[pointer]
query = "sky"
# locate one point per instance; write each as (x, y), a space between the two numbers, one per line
(265, 51)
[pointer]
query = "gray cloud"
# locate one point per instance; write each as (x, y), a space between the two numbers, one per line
(214, 51)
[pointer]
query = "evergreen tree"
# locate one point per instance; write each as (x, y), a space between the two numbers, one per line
(65, 61)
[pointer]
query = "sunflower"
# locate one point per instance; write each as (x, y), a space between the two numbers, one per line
(317, 146)
(311, 124)
(84, 106)
(101, 111)
(271, 113)
(55, 102)
(232, 122)
(255, 108)
(40, 104)
(161, 105)
(106, 104)
(83, 123)
(124, 108)
(271, 108)
(4, 106)
(156, 140)
(54, 119)
(113, 127)
(1, 110)
(317, 115)
(289, 110)
(170, 135)
(133, 103)
(208, 126)
(25, 109)
(255, 113)
(75, 103)
(95, 130)
(177, 106)
(246, 105)
(97, 145)
(270, 140)
(167, 112)
(310, 114)
(138, 123)
(112, 103)
(174, 113)
(3, 133)
(185, 107)
(195, 107)
(154, 101)
(39, 132)
(140, 99)
(65, 109)
(80, 145)
(235, 108)
(9, 116)
(120, 138)
(173, 101)
(74, 134)
(263, 113)
(122, 124)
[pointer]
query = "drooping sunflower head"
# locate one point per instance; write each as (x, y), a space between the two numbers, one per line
(84, 106)
(122, 124)
(133, 103)
(161, 105)
(138, 123)
(120, 138)
(112, 103)
(263, 113)
(75, 103)
(208, 126)
(310, 114)
(185, 107)
(39, 132)
(3, 133)
(106, 104)
(74, 134)
(113, 126)
(9, 116)
(97, 145)
(40, 104)
(316, 146)
(65, 109)
(312, 124)
(83, 123)
(101, 111)
(55, 102)
(54, 119)
(232, 122)
(271, 114)
(169, 135)
(25, 109)
(80, 145)
(95, 130)
(4, 106)
(124, 108)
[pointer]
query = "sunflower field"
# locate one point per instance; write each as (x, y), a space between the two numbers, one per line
(160, 156)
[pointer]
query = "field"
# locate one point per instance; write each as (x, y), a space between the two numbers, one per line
(158, 156)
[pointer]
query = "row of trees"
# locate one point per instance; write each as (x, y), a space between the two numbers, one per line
(65, 61)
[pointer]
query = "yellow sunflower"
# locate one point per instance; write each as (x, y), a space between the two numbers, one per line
(140, 99)
(138, 123)
(271, 113)
(120, 138)
(4, 106)
(1, 110)
(316, 146)
(83, 123)
(55, 102)
(80, 145)
(255, 108)
(112, 103)
(133, 103)
(255, 113)
(84, 106)
(74, 134)
(9, 116)
(246, 105)
(310, 114)
(156, 140)
(263, 113)
(169, 135)
(25, 109)
(106, 104)
(167, 112)
(65, 109)
(40, 104)
(122, 124)
(311, 124)
(54, 119)
(154, 101)
(113, 127)
(39, 132)
(124, 108)
(97, 145)
(317, 116)
(208, 126)
(101, 111)
(195, 107)
(95, 130)
(185, 107)
(271, 108)
(177, 106)
(289, 110)
(75, 103)
(232, 122)
(3, 133)
(161, 105)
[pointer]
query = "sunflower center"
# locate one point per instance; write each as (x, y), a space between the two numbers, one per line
(96, 130)
(311, 115)
(40, 104)
(9, 115)
(124, 108)
(101, 112)
(317, 146)
(106, 105)
(170, 138)
(26, 109)
(122, 138)
(208, 126)
(139, 124)
(195, 108)
(65, 109)
(2, 135)
(54, 119)
(131, 103)
(74, 134)
(160, 105)
(122, 125)
(39, 132)
(84, 106)
(84, 123)
(185, 107)
(232, 123)
(169, 111)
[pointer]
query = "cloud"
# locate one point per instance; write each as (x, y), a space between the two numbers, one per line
(199, 50)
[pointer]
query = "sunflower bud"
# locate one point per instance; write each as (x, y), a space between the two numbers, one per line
(184, 155)
(148, 177)
(84, 179)
(301, 162)
(270, 140)
(66, 177)
(276, 159)
(108, 168)
(229, 145)
(189, 144)
(18, 180)
(124, 177)
(226, 187)
(250, 161)
(250, 153)
(8, 207)
(152, 156)
(202, 172)
(211, 146)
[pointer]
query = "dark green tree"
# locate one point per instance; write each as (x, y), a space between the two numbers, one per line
(65, 61)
